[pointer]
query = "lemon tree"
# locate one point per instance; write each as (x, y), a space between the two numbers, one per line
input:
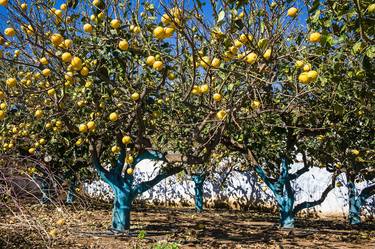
(99, 76)
(267, 80)
(347, 94)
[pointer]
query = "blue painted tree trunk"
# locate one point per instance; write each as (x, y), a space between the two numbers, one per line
(356, 201)
(285, 195)
(286, 213)
(122, 206)
(44, 187)
(70, 196)
(198, 189)
(354, 212)
(123, 188)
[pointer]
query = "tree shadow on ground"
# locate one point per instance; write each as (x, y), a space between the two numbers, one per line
(235, 227)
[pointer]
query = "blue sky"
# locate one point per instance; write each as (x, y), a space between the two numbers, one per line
(299, 4)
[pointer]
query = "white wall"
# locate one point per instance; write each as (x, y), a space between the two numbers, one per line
(239, 190)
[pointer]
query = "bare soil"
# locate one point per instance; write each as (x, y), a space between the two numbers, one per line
(174, 228)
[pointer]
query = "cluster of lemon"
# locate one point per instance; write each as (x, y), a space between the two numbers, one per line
(308, 75)
(155, 62)
(170, 20)
(12, 132)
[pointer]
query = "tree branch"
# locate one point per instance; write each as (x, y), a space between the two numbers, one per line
(144, 186)
(102, 172)
(301, 171)
(367, 192)
(310, 204)
(259, 170)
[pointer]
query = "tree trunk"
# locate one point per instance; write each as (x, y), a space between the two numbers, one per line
(354, 202)
(70, 197)
(44, 187)
(121, 210)
(354, 211)
(198, 181)
(286, 211)
(286, 218)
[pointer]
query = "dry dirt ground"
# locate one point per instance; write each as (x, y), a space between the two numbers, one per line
(172, 228)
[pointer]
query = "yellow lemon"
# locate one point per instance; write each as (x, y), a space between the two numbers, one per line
(66, 57)
(371, 8)
(126, 139)
(158, 65)
(83, 128)
(123, 45)
(238, 43)
(46, 72)
(84, 71)
(159, 32)
(245, 38)
(196, 90)
(76, 63)
(313, 75)
(221, 114)
(96, 3)
(11, 82)
(113, 117)
(2, 114)
(129, 171)
(315, 37)
(204, 88)
(53, 233)
(115, 23)
(307, 67)
(129, 159)
(292, 12)
(79, 141)
(115, 149)
(217, 97)
(169, 31)
(267, 54)
(215, 62)
(304, 78)
(255, 104)
(91, 125)
(57, 39)
(171, 76)
(205, 61)
(299, 64)
(87, 28)
(355, 152)
(251, 58)
(135, 96)
(67, 43)
(150, 60)
(3, 2)
(60, 222)
(165, 19)
(10, 32)
(51, 92)
(38, 113)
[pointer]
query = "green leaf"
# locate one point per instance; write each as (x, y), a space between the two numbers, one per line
(371, 52)
(315, 17)
(357, 47)
(314, 6)
(221, 16)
